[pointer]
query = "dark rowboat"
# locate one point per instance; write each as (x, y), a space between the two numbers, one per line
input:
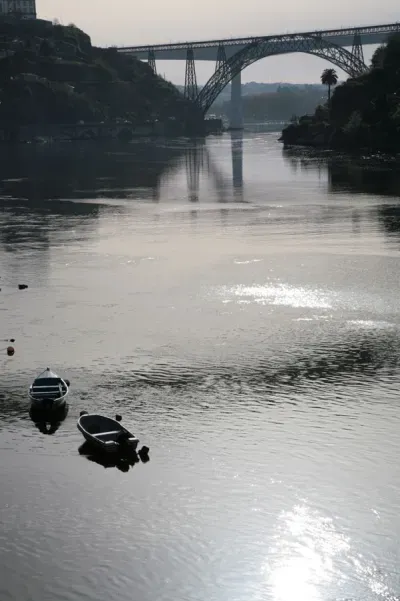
(106, 434)
(48, 390)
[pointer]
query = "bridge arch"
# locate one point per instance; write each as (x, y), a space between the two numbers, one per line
(258, 49)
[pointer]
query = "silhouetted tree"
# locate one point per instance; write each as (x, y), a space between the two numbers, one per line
(378, 57)
(329, 78)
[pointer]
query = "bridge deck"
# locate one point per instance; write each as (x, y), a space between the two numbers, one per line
(372, 34)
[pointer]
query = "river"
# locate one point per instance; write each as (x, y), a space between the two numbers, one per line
(238, 305)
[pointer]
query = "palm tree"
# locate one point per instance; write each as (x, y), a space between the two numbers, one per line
(329, 78)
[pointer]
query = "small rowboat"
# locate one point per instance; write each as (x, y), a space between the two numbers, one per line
(48, 390)
(106, 434)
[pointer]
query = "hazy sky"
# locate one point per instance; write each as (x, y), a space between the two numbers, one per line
(124, 22)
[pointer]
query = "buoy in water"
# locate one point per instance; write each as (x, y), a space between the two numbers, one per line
(10, 351)
(144, 454)
(83, 413)
(118, 417)
(68, 383)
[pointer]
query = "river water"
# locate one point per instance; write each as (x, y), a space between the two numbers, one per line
(238, 305)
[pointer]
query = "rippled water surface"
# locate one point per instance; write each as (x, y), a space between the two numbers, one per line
(238, 305)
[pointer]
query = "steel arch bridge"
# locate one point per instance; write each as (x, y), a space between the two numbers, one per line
(350, 62)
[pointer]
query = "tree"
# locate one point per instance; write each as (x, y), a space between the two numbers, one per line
(329, 78)
(378, 57)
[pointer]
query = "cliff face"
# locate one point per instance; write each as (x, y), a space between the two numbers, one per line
(364, 112)
(52, 74)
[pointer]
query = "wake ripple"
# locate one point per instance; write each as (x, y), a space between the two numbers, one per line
(364, 357)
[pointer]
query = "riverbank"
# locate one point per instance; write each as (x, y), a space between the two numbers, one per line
(363, 114)
(51, 74)
(123, 131)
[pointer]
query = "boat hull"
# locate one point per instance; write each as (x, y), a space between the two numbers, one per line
(95, 443)
(48, 391)
(111, 445)
(48, 403)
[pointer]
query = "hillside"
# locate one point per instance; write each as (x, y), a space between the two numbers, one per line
(364, 112)
(51, 73)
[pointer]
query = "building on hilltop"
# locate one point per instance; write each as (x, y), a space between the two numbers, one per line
(24, 9)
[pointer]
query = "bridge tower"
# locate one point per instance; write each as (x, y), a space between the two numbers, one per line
(191, 89)
(357, 50)
(151, 59)
(236, 108)
(221, 57)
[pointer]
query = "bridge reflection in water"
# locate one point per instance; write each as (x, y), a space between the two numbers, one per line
(199, 161)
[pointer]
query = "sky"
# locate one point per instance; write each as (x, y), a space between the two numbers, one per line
(124, 22)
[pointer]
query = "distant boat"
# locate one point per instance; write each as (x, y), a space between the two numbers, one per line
(48, 390)
(106, 434)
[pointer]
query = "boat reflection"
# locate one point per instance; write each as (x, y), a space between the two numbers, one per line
(121, 461)
(48, 421)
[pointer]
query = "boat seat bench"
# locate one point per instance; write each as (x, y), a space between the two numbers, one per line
(106, 433)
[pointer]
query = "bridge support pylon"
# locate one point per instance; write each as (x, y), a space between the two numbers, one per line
(191, 90)
(236, 108)
(221, 57)
(357, 50)
(151, 59)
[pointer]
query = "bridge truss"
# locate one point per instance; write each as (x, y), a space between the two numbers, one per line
(234, 55)
(350, 62)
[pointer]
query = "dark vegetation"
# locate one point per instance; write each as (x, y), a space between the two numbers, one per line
(363, 113)
(329, 78)
(51, 73)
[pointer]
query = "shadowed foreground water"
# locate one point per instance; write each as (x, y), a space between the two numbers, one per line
(238, 305)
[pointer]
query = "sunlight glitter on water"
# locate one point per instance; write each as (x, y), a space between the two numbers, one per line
(370, 324)
(307, 545)
(281, 294)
